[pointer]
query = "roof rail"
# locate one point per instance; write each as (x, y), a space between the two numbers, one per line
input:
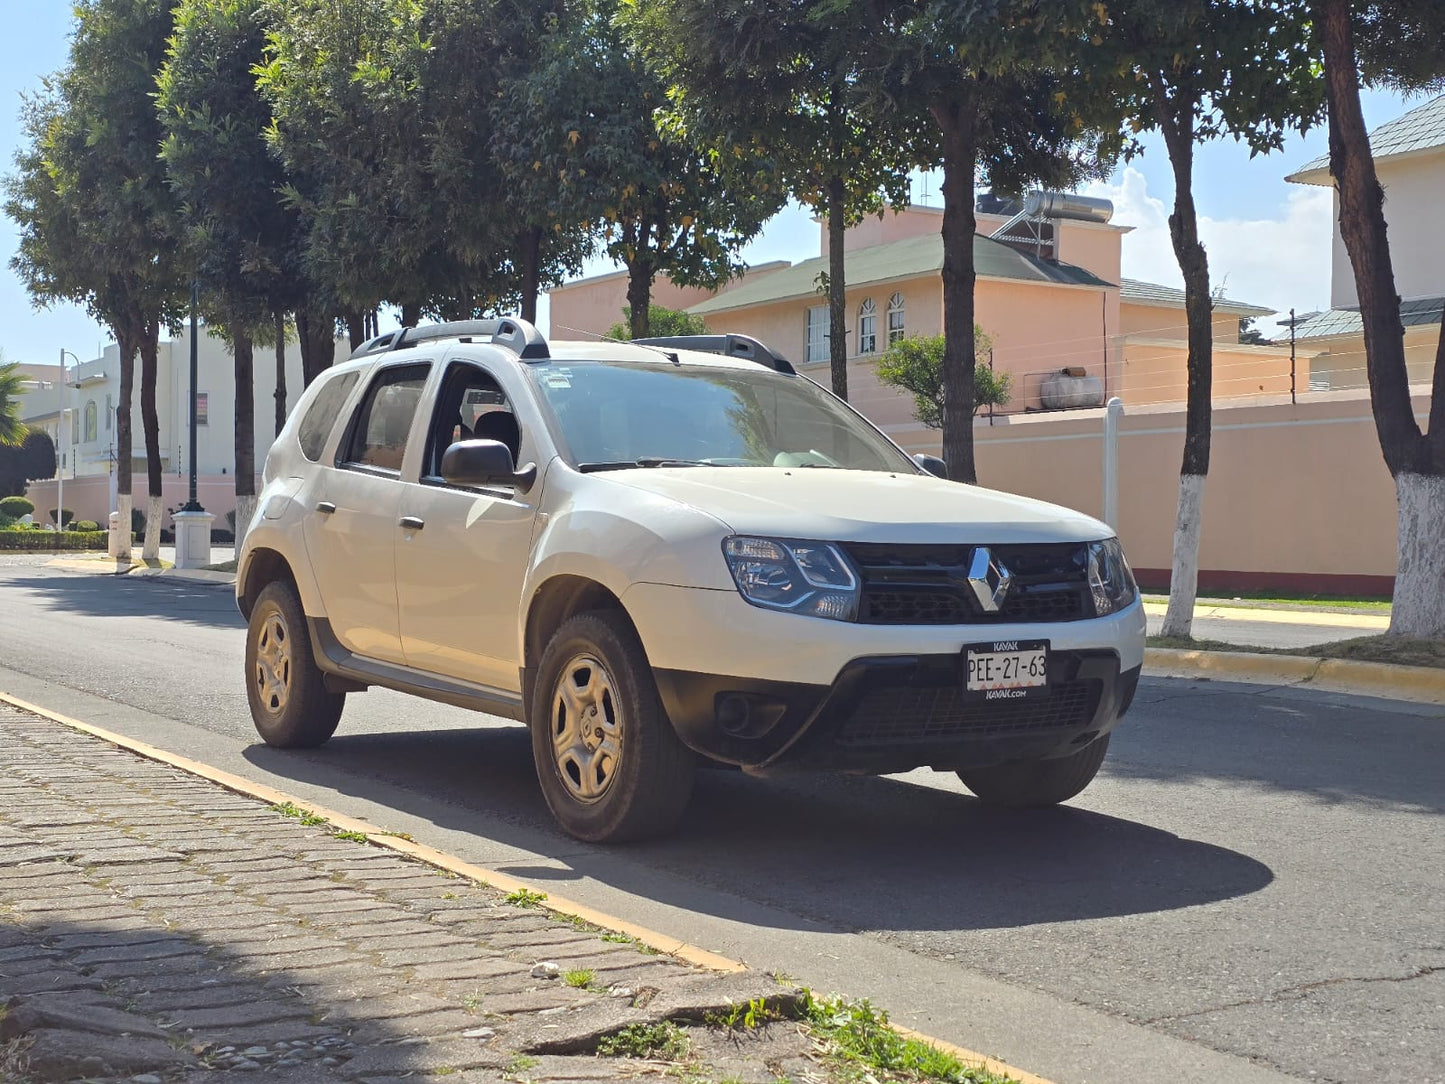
(516, 335)
(733, 346)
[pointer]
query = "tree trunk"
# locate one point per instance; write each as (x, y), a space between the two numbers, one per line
(356, 328)
(151, 427)
(531, 273)
(316, 335)
(837, 289)
(639, 297)
(410, 314)
(120, 540)
(1416, 460)
(243, 349)
(1178, 131)
(280, 319)
(958, 122)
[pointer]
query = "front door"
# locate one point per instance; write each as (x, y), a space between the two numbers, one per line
(460, 568)
(353, 526)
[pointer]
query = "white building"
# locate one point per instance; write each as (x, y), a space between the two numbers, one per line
(85, 436)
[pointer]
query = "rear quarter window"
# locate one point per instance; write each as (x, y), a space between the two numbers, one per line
(323, 414)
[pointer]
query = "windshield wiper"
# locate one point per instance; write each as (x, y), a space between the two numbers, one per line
(643, 461)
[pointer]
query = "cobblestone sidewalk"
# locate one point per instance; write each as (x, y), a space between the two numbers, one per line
(154, 926)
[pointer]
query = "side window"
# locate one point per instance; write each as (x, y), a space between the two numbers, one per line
(471, 406)
(383, 421)
(316, 426)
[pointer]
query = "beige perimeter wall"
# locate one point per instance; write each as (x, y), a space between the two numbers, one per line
(1298, 497)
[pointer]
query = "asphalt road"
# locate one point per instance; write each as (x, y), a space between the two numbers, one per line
(1251, 891)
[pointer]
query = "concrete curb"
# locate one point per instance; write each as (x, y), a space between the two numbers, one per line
(379, 837)
(197, 575)
(1415, 684)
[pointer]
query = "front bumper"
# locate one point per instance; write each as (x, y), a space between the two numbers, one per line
(895, 713)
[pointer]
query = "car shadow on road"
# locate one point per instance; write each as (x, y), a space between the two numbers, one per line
(100, 595)
(852, 852)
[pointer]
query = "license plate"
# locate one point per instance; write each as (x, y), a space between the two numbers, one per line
(1006, 669)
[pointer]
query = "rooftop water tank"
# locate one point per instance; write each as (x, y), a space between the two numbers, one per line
(1046, 204)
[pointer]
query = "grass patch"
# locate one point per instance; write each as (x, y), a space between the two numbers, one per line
(579, 979)
(752, 1015)
(665, 1042)
(295, 812)
(856, 1035)
(1400, 650)
(520, 1063)
(354, 837)
(221, 566)
(1285, 599)
(525, 897)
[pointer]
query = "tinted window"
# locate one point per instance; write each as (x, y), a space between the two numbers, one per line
(316, 426)
(378, 437)
(470, 406)
(618, 413)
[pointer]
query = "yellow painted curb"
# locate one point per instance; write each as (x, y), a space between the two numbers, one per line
(1281, 617)
(379, 837)
(1415, 684)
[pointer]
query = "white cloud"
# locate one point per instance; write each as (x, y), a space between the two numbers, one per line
(1280, 262)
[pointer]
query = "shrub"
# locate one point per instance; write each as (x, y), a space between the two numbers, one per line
(222, 537)
(915, 365)
(23, 538)
(86, 525)
(15, 507)
(69, 516)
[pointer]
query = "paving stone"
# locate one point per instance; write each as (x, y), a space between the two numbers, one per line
(133, 953)
(426, 1057)
(254, 1012)
(574, 1031)
(283, 961)
(469, 969)
(110, 938)
(34, 1014)
(66, 1055)
(217, 995)
(181, 964)
(262, 1034)
(530, 1001)
(36, 982)
(417, 957)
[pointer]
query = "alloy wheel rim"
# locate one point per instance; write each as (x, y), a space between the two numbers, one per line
(587, 729)
(273, 663)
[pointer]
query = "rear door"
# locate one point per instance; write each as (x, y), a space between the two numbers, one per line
(352, 529)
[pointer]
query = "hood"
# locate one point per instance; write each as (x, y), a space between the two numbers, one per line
(862, 506)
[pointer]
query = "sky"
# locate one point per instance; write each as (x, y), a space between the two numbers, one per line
(1268, 241)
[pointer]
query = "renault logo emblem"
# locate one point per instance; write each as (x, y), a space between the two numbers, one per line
(990, 580)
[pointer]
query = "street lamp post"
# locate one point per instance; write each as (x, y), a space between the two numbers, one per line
(60, 431)
(193, 523)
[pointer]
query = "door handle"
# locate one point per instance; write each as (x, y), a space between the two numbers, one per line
(412, 523)
(326, 508)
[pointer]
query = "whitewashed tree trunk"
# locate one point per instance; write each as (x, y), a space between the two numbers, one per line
(1419, 607)
(245, 509)
(151, 547)
(1184, 573)
(120, 533)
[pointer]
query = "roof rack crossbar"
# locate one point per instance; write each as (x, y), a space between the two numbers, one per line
(733, 346)
(516, 335)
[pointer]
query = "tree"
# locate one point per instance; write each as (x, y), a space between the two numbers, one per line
(1395, 43)
(1195, 70)
(784, 80)
(663, 321)
(991, 80)
(95, 214)
(28, 461)
(12, 429)
(915, 365)
(241, 238)
(667, 203)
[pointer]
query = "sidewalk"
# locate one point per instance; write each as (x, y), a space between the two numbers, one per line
(154, 926)
(157, 927)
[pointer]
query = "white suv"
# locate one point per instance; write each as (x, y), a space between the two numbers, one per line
(658, 555)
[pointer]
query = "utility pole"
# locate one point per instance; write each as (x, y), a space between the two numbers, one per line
(193, 505)
(193, 523)
(60, 431)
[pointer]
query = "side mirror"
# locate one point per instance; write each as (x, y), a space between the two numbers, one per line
(932, 464)
(485, 463)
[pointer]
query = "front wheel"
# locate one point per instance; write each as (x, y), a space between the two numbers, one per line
(1030, 783)
(290, 704)
(610, 764)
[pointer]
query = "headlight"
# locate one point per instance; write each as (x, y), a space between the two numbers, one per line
(1110, 581)
(811, 578)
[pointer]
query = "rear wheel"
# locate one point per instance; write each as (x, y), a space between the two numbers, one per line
(290, 704)
(1037, 782)
(610, 764)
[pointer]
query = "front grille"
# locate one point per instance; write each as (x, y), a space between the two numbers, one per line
(928, 585)
(912, 714)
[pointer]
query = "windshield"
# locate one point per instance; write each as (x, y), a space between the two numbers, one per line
(615, 415)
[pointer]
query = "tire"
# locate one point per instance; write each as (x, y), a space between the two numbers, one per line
(290, 704)
(1033, 783)
(630, 777)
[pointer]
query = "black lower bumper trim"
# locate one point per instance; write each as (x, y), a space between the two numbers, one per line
(894, 713)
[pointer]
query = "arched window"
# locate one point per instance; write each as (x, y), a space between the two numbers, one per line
(895, 318)
(867, 327)
(92, 420)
